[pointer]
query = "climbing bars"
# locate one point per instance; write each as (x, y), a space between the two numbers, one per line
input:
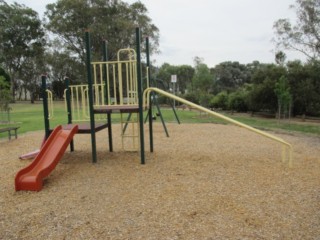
(285, 145)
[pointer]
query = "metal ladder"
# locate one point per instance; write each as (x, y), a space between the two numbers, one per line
(130, 132)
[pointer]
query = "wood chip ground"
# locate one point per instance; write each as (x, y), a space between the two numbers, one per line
(207, 181)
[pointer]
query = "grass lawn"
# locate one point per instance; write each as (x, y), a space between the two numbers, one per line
(30, 118)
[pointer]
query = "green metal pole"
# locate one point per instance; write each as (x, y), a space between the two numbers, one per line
(69, 110)
(105, 59)
(150, 100)
(45, 106)
(90, 95)
(140, 91)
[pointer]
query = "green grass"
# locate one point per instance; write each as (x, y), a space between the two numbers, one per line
(187, 116)
(30, 118)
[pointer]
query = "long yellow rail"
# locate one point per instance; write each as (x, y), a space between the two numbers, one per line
(285, 145)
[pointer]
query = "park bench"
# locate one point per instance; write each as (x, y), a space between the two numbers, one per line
(12, 131)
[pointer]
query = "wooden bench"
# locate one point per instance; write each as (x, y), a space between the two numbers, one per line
(12, 131)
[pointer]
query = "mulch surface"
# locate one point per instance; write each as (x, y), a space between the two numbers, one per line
(207, 181)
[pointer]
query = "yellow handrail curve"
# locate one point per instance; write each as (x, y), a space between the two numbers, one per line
(285, 145)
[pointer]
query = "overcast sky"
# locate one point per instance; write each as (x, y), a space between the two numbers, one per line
(215, 30)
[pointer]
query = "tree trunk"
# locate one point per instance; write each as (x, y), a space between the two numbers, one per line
(25, 93)
(32, 97)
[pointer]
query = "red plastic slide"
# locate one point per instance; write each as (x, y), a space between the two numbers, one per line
(31, 177)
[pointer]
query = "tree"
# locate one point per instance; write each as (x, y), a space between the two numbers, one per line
(185, 74)
(22, 39)
(6, 77)
(220, 100)
(164, 75)
(304, 35)
(282, 91)
(238, 100)
(112, 20)
(280, 58)
(305, 87)
(230, 76)
(5, 96)
(262, 95)
(61, 63)
(202, 80)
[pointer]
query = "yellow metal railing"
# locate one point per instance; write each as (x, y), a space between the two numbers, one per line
(122, 86)
(120, 77)
(285, 145)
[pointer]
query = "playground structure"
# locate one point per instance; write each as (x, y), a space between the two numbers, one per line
(113, 87)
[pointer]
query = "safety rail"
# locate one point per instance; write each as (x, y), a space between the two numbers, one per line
(114, 83)
(285, 145)
(79, 102)
(121, 80)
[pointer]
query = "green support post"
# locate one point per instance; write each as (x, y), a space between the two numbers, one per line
(150, 100)
(69, 110)
(45, 106)
(105, 59)
(140, 85)
(90, 95)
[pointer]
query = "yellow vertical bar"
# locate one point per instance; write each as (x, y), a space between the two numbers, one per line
(108, 85)
(134, 86)
(102, 84)
(120, 83)
(77, 103)
(72, 102)
(94, 73)
(82, 104)
(128, 89)
(134, 76)
(114, 84)
(96, 96)
(86, 102)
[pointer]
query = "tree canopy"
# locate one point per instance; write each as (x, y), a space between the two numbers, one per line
(304, 35)
(111, 20)
(22, 39)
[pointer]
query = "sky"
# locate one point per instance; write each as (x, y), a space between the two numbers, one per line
(214, 30)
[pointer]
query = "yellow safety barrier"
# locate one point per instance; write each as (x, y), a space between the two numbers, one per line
(122, 86)
(121, 79)
(285, 145)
